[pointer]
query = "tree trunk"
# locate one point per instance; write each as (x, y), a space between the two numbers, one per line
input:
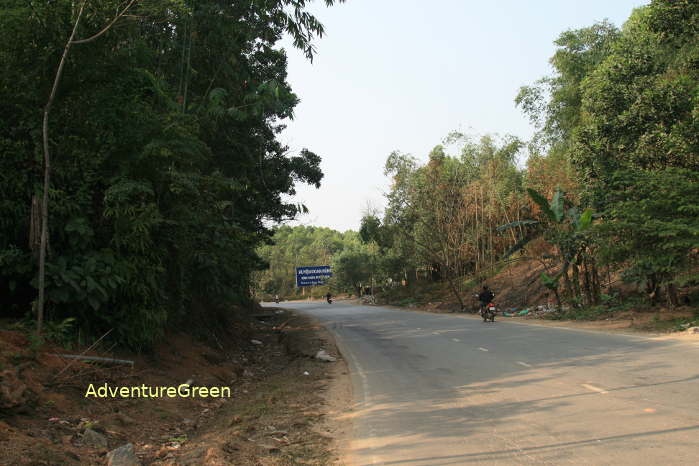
(559, 306)
(567, 287)
(586, 283)
(596, 286)
(35, 228)
(47, 178)
(576, 284)
(672, 298)
(652, 289)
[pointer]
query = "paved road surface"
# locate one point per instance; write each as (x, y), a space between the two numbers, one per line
(434, 389)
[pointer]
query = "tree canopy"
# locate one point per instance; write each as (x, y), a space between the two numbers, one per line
(166, 166)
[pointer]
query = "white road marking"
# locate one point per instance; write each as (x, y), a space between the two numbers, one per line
(594, 389)
(482, 349)
(455, 339)
(524, 364)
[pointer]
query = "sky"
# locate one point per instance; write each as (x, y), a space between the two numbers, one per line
(401, 74)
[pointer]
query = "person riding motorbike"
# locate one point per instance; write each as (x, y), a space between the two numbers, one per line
(485, 297)
(329, 298)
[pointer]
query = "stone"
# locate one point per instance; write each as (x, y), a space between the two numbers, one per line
(94, 439)
(14, 394)
(323, 356)
(123, 456)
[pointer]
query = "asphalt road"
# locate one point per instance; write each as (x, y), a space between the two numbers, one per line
(433, 389)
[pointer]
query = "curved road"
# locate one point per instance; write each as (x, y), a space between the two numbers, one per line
(434, 389)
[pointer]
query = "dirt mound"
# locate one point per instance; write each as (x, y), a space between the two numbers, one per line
(51, 416)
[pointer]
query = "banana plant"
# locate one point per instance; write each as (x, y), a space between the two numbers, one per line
(564, 227)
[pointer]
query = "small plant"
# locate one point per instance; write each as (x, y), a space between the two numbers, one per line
(179, 439)
(60, 332)
(89, 425)
(609, 299)
(35, 342)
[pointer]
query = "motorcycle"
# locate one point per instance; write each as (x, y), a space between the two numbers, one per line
(488, 312)
(276, 300)
(330, 300)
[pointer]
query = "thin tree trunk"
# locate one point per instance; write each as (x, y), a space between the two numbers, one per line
(35, 227)
(567, 287)
(559, 306)
(576, 283)
(47, 175)
(672, 298)
(596, 286)
(586, 283)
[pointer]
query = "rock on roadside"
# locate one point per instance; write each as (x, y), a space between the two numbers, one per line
(94, 439)
(123, 456)
(324, 356)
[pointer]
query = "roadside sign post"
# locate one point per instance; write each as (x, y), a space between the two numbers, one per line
(312, 276)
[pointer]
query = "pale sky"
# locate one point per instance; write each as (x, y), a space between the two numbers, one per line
(401, 74)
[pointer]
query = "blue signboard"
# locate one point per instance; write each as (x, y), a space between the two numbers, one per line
(310, 276)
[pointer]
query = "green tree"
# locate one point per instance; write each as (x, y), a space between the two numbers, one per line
(652, 229)
(640, 104)
(352, 269)
(554, 103)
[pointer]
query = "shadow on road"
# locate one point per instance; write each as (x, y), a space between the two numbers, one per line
(454, 382)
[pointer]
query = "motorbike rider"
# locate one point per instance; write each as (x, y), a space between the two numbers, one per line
(328, 297)
(485, 297)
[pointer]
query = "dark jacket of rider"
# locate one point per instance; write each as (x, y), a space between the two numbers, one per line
(486, 296)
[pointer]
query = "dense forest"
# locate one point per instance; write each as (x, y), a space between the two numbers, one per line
(139, 160)
(610, 187)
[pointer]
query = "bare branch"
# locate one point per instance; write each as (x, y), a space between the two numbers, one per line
(106, 28)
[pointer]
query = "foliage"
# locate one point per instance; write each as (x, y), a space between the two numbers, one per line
(166, 167)
(553, 103)
(618, 127)
(653, 226)
(353, 268)
(563, 225)
(640, 104)
(441, 216)
(299, 246)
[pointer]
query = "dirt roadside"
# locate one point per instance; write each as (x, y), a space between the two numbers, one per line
(285, 405)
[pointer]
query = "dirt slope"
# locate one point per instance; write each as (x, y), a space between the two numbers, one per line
(274, 415)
